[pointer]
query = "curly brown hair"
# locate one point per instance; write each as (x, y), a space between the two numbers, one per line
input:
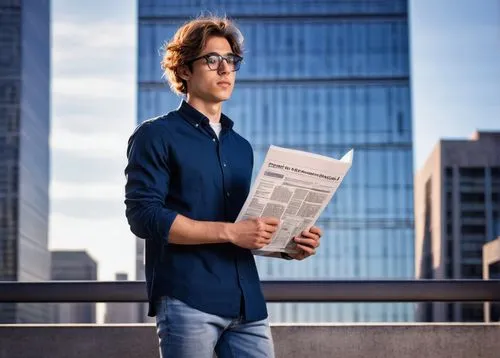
(189, 41)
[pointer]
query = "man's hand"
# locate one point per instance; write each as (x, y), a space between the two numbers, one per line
(307, 243)
(253, 233)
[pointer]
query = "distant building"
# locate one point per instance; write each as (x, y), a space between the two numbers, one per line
(140, 275)
(24, 151)
(457, 211)
(74, 266)
(121, 312)
(491, 270)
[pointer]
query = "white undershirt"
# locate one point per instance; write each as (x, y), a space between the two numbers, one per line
(216, 126)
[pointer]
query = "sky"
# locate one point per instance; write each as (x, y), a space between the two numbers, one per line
(455, 63)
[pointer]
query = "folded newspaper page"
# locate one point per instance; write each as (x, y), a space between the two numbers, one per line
(295, 187)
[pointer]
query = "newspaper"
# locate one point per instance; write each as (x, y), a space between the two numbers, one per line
(295, 187)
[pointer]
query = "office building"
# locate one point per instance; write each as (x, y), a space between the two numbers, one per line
(73, 266)
(321, 76)
(457, 211)
(121, 312)
(140, 275)
(491, 270)
(24, 151)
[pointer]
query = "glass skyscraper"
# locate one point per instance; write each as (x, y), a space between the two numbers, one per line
(24, 150)
(321, 76)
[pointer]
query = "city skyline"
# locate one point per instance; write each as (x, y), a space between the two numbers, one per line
(89, 135)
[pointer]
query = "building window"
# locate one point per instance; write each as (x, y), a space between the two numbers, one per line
(473, 230)
(472, 172)
(472, 197)
(472, 312)
(472, 271)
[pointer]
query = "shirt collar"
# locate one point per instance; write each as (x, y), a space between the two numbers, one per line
(196, 118)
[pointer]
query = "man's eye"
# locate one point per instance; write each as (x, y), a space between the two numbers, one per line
(212, 59)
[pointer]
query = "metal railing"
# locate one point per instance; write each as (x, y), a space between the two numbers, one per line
(274, 291)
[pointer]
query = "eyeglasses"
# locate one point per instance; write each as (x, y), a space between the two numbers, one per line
(214, 61)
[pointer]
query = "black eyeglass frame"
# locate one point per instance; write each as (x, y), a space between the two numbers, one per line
(237, 62)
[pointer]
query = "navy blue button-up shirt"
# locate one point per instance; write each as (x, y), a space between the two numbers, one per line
(177, 165)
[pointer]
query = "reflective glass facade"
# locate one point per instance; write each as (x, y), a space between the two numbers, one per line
(322, 76)
(24, 149)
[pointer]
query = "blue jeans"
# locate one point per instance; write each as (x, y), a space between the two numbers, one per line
(184, 331)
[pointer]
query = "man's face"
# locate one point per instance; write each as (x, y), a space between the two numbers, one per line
(209, 83)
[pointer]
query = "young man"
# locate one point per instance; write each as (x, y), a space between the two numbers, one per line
(188, 175)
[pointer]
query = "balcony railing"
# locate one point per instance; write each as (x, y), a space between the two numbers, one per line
(409, 340)
(274, 291)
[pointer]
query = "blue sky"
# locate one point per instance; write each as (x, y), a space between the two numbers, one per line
(455, 60)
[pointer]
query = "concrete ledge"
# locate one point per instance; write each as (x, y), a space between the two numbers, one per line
(387, 341)
(346, 341)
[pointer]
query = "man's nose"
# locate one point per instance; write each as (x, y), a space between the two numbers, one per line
(224, 66)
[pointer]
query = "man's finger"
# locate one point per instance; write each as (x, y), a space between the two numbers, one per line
(307, 242)
(316, 230)
(270, 228)
(271, 220)
(266, 235)
(264, 241)
(310, 235)
(306, 249)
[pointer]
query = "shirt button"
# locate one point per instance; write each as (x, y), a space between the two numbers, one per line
(227, 194)
(224, 164)
(213, 139)
(196, 125)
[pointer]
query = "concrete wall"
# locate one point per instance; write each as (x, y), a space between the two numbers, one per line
(346, 341)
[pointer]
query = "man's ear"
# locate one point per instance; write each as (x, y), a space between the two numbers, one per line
(184, 72)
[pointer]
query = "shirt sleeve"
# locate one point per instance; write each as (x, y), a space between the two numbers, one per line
(147, 181)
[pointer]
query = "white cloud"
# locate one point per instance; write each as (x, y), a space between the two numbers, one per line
(95, 36)
(96, 209)
(94, 61)
(100, 191)
(89, 87)
(71, 166)
(102, 145)
(96, 115)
